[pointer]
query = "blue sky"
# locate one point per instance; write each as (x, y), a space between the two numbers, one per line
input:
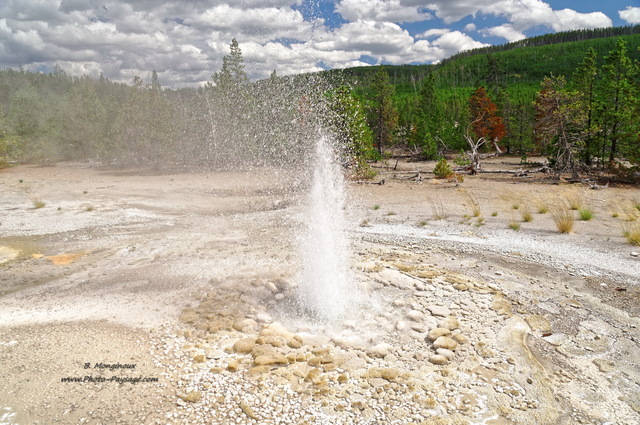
(184, 41)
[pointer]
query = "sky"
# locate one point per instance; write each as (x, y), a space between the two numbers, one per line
(184, 41)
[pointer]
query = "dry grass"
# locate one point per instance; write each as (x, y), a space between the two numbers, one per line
(35, 199)
(542, 205)
(514, 199)
(576, 198)
(628, 209)
(562, 215)
(471, 202)
(437, 210)
(632, 233)
(525, 213)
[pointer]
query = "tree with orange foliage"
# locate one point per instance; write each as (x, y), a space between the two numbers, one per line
(486, 124)
(485, 119)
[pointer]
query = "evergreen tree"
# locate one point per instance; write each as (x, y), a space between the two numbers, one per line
(383, 115)
(232, 75)
(348, 121)
(429, 117)
(560, 123)
(584, 82)
(616, 101)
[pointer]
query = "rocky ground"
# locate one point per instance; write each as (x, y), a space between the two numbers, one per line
(172, 299)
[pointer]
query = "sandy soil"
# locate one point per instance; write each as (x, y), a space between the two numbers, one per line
(168, 272)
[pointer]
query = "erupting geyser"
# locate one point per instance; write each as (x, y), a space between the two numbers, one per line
(325, 283)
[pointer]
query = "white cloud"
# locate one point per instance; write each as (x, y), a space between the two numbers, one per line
(186, 40)
(523, 15)
(631, 15)
(435, 32)
(380, 10)
(455, 41)
(568, 19)
(505, 31)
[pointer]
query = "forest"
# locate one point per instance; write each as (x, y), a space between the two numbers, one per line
(573, 97)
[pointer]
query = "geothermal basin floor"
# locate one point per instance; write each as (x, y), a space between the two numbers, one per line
(161, 299)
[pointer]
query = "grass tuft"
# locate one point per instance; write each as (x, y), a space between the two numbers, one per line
(514, 225)
(438, 210)
(376, 207)
(575, 198)
(563, 217)
(632, 234)
(585, 214)
(472, 203)
(525, 213)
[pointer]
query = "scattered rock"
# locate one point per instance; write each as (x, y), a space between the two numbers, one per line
(245, 325)
(437, 333)
(258, 370)
(445, 342)
(192, 396)
(270, 359)
(276, 329)
(415, 315)
(320, 360)
(233, 365)
(445, 352)
(388, 373)
(294, 343)
(460, 338)
(438, 359)
(379, 351)
(450, 323)
(635, 254)
(437, 310)
(247, 410)
(314, 376)
(245, 345)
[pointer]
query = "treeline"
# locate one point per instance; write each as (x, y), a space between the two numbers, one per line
(552, 38)
(229, 123)
(523, 101)
(434, 114)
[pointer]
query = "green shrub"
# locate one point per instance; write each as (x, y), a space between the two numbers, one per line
(443, 169)
(585, 214)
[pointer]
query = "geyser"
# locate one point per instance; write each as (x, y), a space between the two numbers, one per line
(326, 288)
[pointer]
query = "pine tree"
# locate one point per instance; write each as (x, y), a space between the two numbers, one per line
(560, 122)
(429, 117)
(384, 117)
(232, 75)
(584, 82)
(616, 101)
(348, 121)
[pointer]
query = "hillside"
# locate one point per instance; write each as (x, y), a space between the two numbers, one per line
(524, 62)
